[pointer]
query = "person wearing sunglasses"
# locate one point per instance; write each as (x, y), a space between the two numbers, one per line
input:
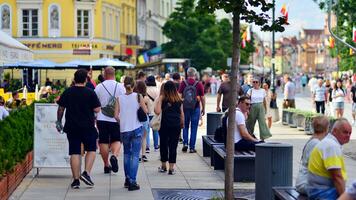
(258, 110)
(244, 141)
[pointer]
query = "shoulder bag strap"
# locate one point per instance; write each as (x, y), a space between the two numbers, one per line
(106, 89)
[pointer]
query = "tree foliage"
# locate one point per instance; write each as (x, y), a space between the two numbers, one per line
(346, 20)
(198, 35)
(245, 10)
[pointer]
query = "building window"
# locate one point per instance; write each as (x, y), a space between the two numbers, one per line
(5, 17)
(83, 23)
(54, 21)
(104, 24)
(30, 22)
(110, 27)
(117, 28)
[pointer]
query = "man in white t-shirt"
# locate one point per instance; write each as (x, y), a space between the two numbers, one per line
(109, 128)
(243, 140)
(289, 92)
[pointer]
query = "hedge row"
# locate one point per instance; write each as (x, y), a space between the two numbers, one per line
(16, 137)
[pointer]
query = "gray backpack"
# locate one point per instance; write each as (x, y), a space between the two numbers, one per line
(109, 109)
(190, 95)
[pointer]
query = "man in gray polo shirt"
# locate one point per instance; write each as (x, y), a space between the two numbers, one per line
(289, 92)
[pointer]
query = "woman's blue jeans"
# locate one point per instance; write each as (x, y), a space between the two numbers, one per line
(132, 146)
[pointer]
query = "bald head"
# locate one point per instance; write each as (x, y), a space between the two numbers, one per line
(109, 73)
(342, 130)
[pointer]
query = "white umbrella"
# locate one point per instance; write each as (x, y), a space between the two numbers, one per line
(105, 62)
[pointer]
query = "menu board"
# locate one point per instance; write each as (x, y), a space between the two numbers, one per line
(50, 146)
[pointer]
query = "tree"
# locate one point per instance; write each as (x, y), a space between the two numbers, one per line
(240, 9)
(199, 36)
(346, 20)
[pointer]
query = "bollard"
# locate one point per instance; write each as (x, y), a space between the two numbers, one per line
(213, 122)
(273, 167)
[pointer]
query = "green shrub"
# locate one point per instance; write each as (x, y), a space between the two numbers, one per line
(16, 137)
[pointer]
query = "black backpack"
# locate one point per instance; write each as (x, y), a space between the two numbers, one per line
(221, 132)
(190, 95)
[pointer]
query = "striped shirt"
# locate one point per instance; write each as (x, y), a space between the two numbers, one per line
(325, 156)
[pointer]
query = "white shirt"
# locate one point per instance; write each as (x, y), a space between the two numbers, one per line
(104, 96)
(154, 93)
(240, 120)
(128, 112)
(3, 112)
(257, 96)
(289, 91)
(336, 93)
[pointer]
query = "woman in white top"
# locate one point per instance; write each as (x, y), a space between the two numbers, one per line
(268, 102)
(131, 131)
(153, 94)
(338, 97)
(258, 110)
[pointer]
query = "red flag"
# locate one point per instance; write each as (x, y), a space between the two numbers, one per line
(284, 9)
(331, 42)
(354, 34)
(243, 43)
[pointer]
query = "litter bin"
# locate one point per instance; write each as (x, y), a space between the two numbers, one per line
(213, 122)
(273, 167)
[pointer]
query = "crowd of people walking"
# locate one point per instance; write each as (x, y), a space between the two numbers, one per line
(112, 113)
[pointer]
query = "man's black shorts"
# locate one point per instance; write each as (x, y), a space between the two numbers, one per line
(109, 132)
(86, 136)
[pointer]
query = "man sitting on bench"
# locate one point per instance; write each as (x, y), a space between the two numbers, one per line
(326, 168)
(243, 140)
(320, 127)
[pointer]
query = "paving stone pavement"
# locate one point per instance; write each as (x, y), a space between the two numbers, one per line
(193, 172)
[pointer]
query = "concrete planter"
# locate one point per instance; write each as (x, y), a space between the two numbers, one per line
(291, 120)
(300, 122)
(308, 128)
(285, 114)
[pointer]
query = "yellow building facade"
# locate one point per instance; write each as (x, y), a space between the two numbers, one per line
(65, 30)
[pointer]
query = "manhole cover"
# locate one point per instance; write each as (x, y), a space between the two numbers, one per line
(181, 194)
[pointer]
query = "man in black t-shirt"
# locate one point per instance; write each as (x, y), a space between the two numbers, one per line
(353, 97)
(80, 104)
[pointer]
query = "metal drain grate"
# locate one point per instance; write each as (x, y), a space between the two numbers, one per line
(181, 194)
(173, 194)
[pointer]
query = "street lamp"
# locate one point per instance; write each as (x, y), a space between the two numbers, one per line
(273, 60)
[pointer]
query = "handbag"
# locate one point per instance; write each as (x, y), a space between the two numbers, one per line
(141, 115)
(155, 122)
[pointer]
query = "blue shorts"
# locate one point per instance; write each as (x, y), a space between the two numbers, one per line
(338, 105)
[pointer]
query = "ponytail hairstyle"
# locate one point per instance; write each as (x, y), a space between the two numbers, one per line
(129, 83)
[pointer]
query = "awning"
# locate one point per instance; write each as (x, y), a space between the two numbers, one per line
(37, 64)
(71, 64)
(12, 51)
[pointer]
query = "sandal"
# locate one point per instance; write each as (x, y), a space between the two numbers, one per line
(162, 169)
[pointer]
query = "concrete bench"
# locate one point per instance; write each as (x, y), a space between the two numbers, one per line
(208, 142)
(287, 193)
(244, 163)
